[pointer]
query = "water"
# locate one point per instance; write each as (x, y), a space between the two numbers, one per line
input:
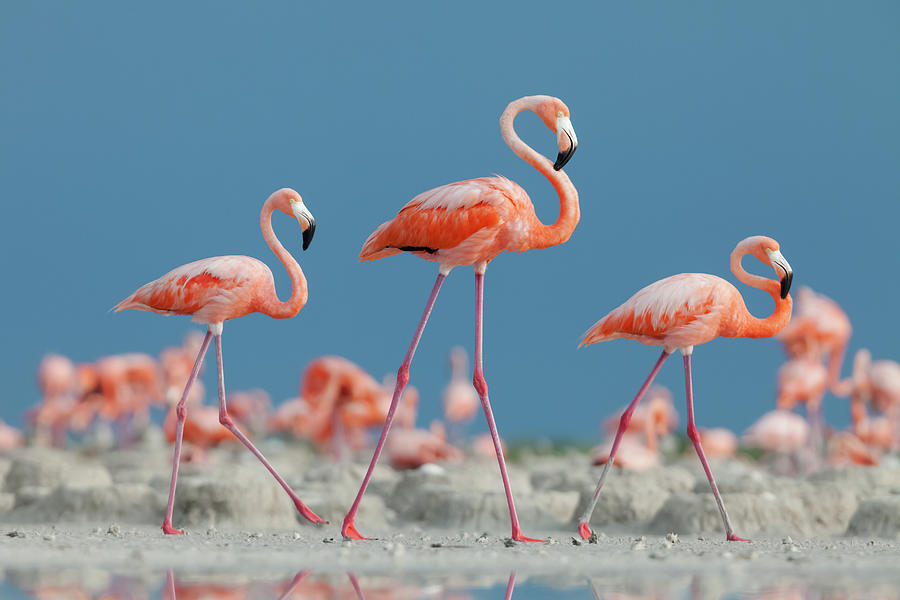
(62, 583)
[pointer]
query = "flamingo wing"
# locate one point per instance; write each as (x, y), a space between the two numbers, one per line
(445, 216)
(218, 285)
(680, 306)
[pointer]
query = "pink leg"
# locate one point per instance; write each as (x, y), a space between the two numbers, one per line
(226, 420)
(348, 529)
(482, 389)
(355, 583)
(181, 413)
(510, 586)
(694, 436)
(583, 523)
(298, 578)
(170, 586)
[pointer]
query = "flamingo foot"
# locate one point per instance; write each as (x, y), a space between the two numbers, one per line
(584, 531)
(518, 537)
(169, 530)
(350, 532)
(733, 538)
(308, 514)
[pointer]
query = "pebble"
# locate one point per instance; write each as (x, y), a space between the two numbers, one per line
(671, 537)
(49, 537)
(16, 533)
(787, 540)
(296, 536)
(115, 530)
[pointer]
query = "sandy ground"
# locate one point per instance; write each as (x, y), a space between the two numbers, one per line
(102, 509)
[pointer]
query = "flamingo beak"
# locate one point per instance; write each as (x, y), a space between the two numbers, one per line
(304, 217)
(308, 234)
(783, 270)
(567, 140)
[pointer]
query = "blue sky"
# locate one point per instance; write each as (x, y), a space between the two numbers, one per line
(138, 138)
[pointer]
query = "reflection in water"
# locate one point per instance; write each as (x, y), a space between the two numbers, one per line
(59, 584)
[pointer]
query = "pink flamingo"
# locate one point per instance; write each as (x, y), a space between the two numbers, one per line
(818, 328)
(655, 419)
(342, 400)
(804, 380)
(719, 442)
(875, 384)
(470, 223)
(683, 311)
(214, 290)
(632, 453)
(460, 398)
(778, 431)
(412, 448)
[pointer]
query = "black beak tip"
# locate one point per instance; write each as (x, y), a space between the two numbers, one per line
(308, 235)
(562, 158)
(786, 284)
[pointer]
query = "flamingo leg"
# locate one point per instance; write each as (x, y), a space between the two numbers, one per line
(694, 436)
(583, 523)
(355, 583)
(170, 586)
(181, 413)
(482, 389)
(298, 578)
(510, 585)
(226, 420)
(348, 529)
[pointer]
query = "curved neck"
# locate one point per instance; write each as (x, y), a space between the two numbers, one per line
(542, 235)
(271, 305)
(751, 326)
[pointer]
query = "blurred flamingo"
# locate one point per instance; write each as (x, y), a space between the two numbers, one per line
(177, 363)
(410, 448)
(483, 445)
(819, 328)
(214, 290)
(845, 448)
(342, 399)
(633, 453)
(719, 442)
(803, 380)
(654, 419)
(778, 431)
(876, 385)
(460, 398)
(686, 310)
(251, 408)
(10, 437)
(57, 379)
(470, 223)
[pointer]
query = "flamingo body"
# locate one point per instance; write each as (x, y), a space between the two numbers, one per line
(458, 224)
(211, 290)
(676, 312)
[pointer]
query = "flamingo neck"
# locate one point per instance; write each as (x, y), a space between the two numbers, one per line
(750, 326)
(543, 236)
(271, 305)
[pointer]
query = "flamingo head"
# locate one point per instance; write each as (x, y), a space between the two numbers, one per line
(290, 203)
(768, 252)
(555, 115)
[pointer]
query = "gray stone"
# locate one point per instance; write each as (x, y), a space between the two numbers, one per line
(879, 517)
(238, 496)
(49, 469)
(131, 503)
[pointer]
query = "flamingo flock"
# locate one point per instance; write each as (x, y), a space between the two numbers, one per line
(468, 224)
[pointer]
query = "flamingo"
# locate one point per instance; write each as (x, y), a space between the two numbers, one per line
(410, 448)
(683, 311)
(719, 442)
(470, 223)
(819, 328)
(460, 398)
(214, 290)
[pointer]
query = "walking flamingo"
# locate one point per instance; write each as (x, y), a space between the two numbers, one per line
(214, 290)
(470, 223)
(683, 311)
